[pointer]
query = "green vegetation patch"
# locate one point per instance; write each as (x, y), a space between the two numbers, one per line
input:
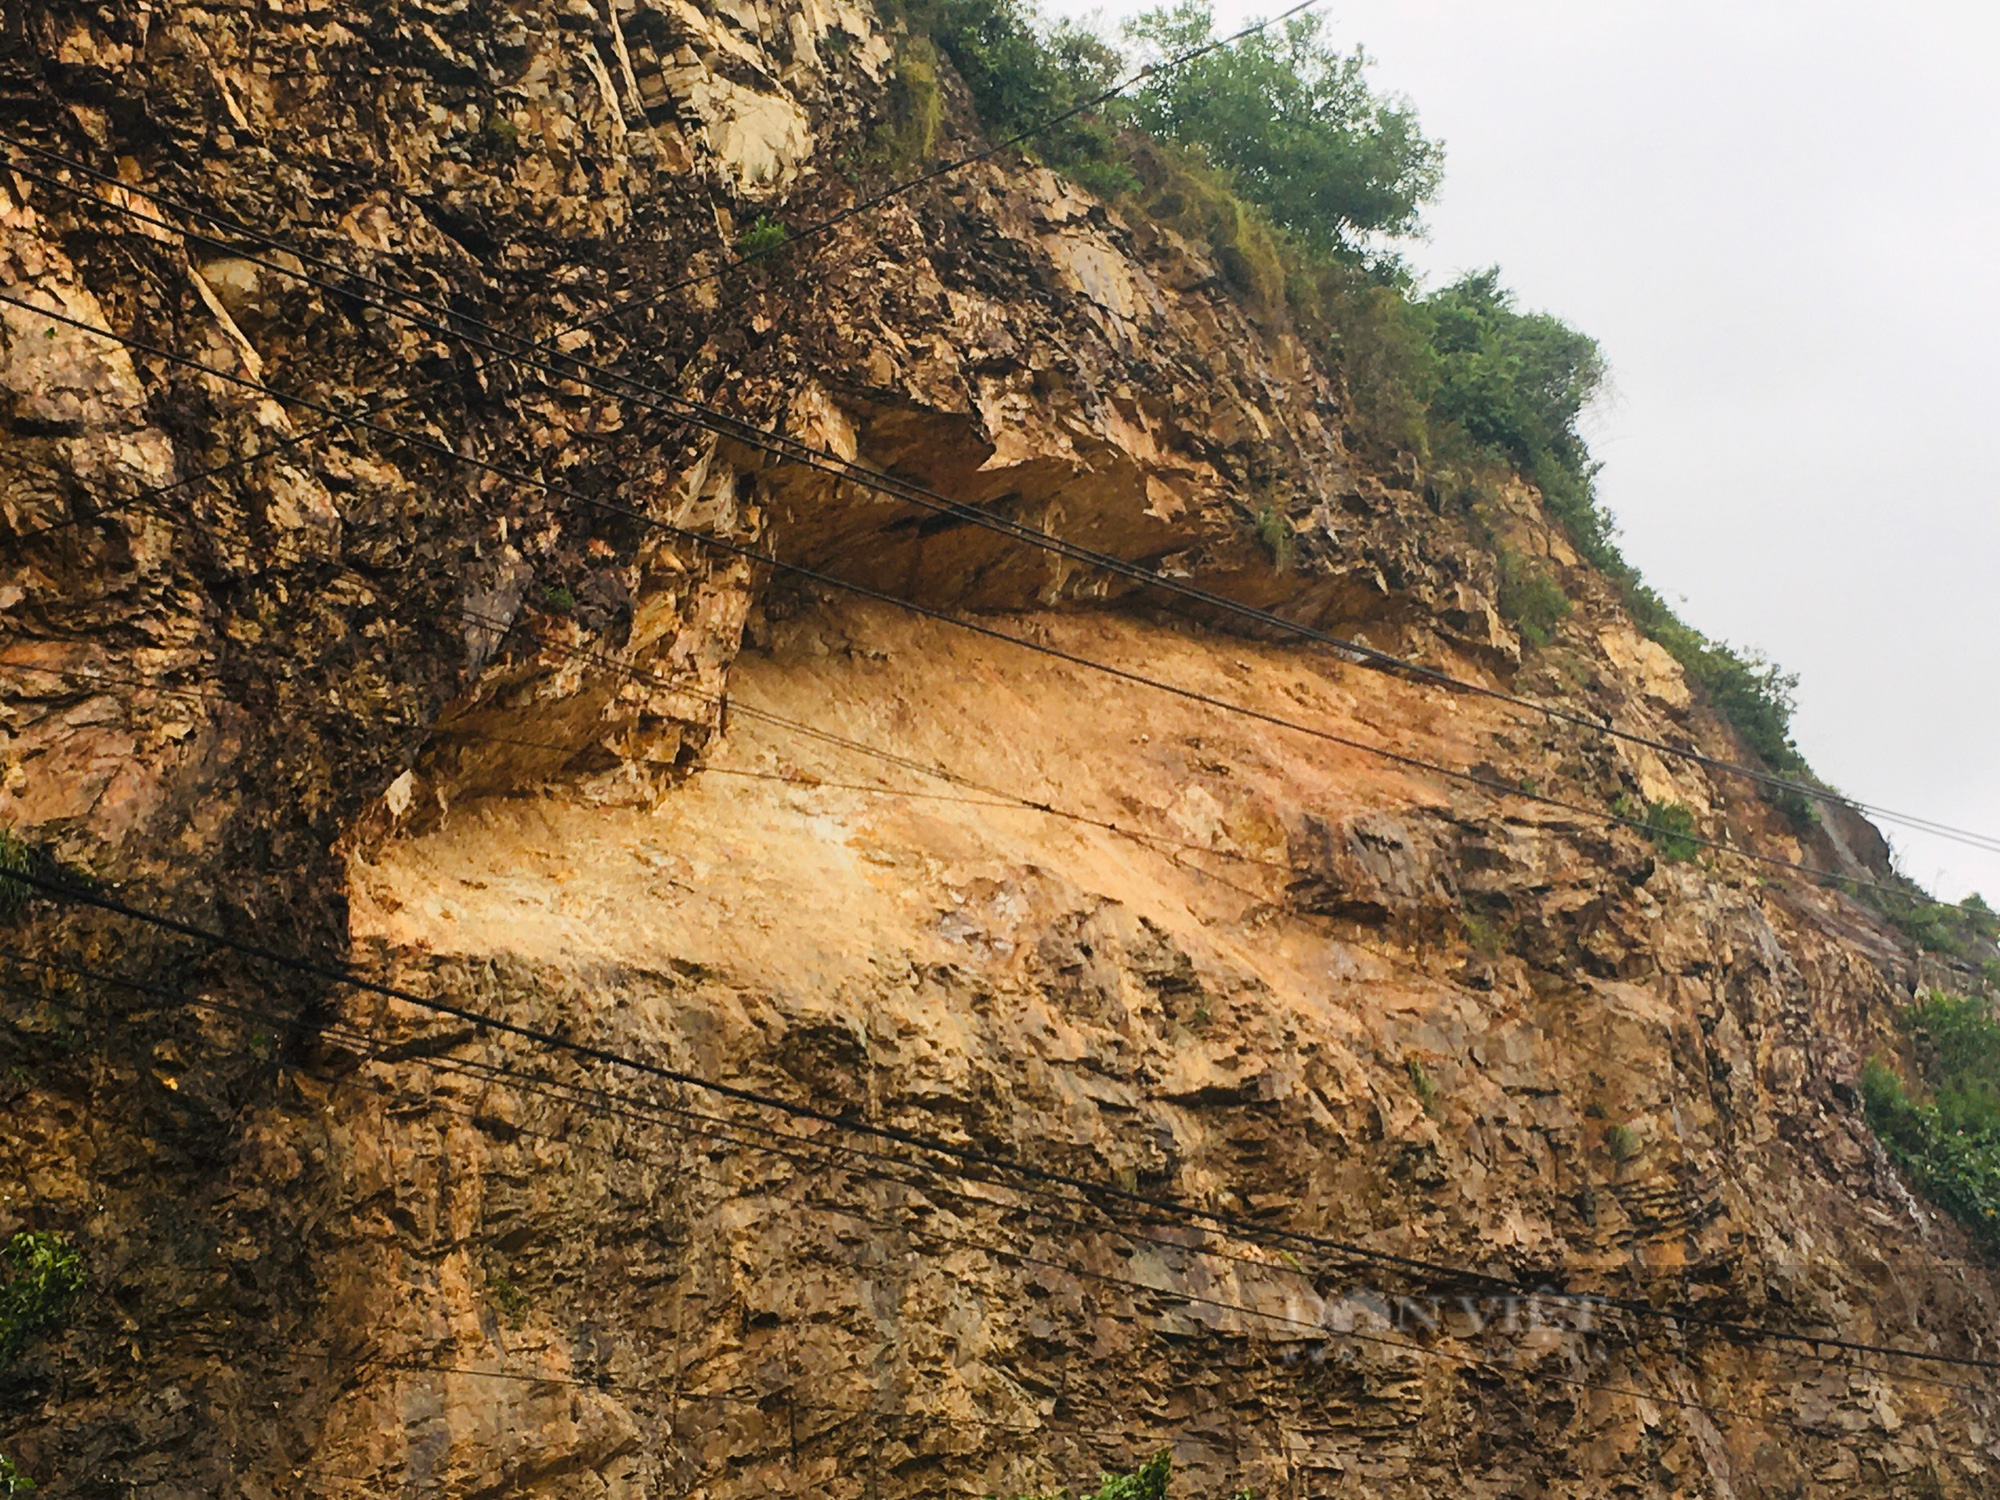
(1670, 825)
(1294, 124)
(1529, 599)
(12, 1481)
(16, 858)
(1149, 1482)
(1422, 1084)
(41, 1276)
(1961, 930)
(1146, 1483)
(1623, 1143)
(916, 107)
(761, 239)
(1275, 534)
(1945, 1129)
(1021, 71)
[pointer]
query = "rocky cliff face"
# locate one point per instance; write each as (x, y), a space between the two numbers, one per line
(488, 740)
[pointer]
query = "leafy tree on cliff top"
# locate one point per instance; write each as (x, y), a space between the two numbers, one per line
(1291, 121)
(1513, 381)
(1295, 124)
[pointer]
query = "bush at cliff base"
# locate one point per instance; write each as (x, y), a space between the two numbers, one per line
(1146, 1483)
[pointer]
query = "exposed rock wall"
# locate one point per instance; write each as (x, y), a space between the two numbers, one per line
(364, 702)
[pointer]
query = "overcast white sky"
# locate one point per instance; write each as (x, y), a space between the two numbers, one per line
(1782, 221)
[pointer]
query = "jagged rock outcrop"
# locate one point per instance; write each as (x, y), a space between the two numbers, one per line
(485, 738)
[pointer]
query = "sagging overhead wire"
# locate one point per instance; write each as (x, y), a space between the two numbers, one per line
(820, 1160)
(815, 230)
(826, 1157)
(797, 452)
(976, 627)
(334, 972)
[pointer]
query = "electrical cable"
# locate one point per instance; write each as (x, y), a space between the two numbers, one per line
(343, 974)
(679, 1166)
(800, 570)
(814, 230)
(1499, 788)
(819, 1167)
(797, 452)
(152, 492)
(405, 400)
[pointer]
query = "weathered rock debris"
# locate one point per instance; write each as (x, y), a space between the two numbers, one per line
(369, 704)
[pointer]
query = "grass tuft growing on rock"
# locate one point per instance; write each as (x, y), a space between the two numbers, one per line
(16, 858)
(41, 1276)
(1623, 1143)
(762, 239)
(1422, 1084)
(1275, 533)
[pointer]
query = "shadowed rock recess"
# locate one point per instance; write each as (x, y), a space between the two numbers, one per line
(462, 730)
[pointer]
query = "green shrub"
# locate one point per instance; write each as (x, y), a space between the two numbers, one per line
(1671, 827)
(1958, 930)
(1515, 383)
(1529, 599)
(761, 239)
(1146, 1483)
(1486, 935)
(1367, 329)
(1622, 1141)
(16, 857)
(503, 136)
(1109, 180)
(1949, 1143)
(1962, 1038)
(1422, 1084)
(1178, 189)
(12, 1481)
(514, 1302)
(40, 1278)
(1295, 125)
(559, 599)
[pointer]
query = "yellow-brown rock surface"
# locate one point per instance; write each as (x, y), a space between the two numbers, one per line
(349, 698)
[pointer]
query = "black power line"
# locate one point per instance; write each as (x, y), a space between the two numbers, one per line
(595, 1102)
(604, 1104)
(814, 575)
(791, 450)
(344, 974)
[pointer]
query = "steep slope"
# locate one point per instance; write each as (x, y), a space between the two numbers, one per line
(492, 736)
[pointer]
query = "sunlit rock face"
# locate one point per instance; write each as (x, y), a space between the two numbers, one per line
(540, 734)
